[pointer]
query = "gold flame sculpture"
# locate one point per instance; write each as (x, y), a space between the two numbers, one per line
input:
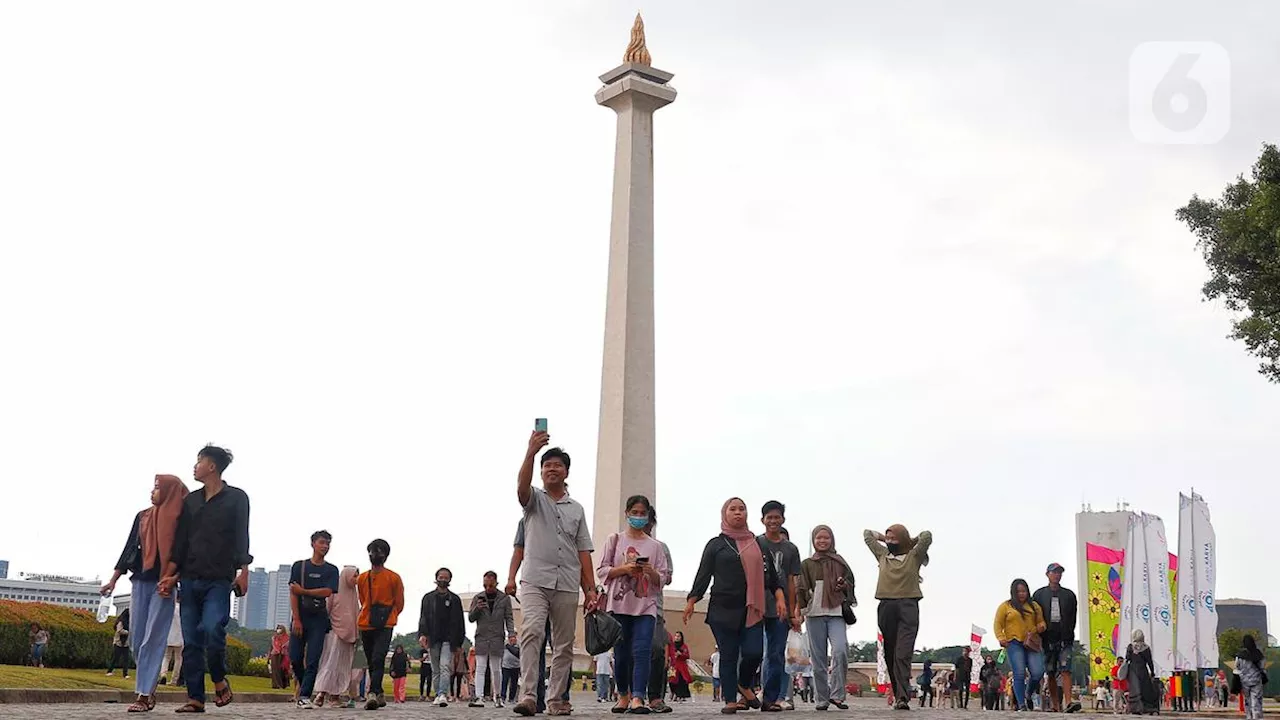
(636, 50)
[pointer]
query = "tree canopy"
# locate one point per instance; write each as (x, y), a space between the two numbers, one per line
(1239, 235)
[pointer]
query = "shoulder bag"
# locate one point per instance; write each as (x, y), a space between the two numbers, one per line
(379, 615)
(309, 604)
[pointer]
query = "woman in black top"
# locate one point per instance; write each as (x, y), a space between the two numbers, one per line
(744, 582)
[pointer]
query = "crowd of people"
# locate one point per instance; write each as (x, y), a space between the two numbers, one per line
(194, 547)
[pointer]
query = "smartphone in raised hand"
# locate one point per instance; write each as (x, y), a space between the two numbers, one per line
(540, 425)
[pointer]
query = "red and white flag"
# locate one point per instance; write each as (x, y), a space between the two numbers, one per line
(975, 655)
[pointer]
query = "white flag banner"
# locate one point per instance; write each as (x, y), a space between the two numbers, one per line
(1160, 638)
(1197, 627)
(975, 653)
(882, 668)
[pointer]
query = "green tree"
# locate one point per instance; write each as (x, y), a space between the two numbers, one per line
(1239, 235)
(862, 652)
(1229, 643)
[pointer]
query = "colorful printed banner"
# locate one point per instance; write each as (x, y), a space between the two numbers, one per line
(1106, 580)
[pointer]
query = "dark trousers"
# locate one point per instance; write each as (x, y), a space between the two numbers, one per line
(741, 650)
(424, 680)
(204, 611)
(631, 664)
(376, 643)
(119, 659)
(899, 622)
(658, 660)
(963, 699)
(776, 631)
(510, 683)
(304, 652)
(990, 699)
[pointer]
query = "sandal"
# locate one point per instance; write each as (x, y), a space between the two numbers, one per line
(191, 707)
(142, 704)
(223, 697)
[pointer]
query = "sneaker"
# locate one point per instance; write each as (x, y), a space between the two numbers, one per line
(110, 674)
(526, 708)
(442, 701)
(841, 705)
(902, 705)
(1073, 707)
(372, 703)
(477, 703)
(559, 708)
(499, 704)
(305, 704)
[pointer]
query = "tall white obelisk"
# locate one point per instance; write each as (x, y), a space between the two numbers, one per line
(625, 461)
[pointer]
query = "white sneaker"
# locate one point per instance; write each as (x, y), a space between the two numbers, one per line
(305, 704)
(477, 703)
(500, 704)
(442, 701)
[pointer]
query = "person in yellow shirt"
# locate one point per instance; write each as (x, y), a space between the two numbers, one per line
(1018, 624)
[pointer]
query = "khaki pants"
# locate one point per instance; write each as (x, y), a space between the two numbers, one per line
(536, 606)
(172, 654)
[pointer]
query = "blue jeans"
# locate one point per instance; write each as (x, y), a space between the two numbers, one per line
(632, 654)
(205, 611)
(304, 652)
(152, 617)
(776, 631)
(37, 653)
(741, 649)
(1021, 658)
(602, 687)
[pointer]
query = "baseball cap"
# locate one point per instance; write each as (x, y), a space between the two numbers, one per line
(1054, 567)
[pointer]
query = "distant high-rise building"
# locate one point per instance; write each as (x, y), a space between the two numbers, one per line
(1247, 615)
(278, 610)
(255, 617)
(4, 569)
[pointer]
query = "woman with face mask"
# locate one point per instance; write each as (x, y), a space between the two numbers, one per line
(1018, 624)
(900, 557)
(744, 582)
(278, 659)
(632, 568)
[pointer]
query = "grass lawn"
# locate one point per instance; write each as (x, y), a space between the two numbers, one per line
(27, 678)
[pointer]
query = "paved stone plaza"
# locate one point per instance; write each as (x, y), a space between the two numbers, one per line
(585, 707)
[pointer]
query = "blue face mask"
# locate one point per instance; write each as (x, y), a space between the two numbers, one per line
(639, 523)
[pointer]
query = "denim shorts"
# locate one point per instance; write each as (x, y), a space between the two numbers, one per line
(1057, 658)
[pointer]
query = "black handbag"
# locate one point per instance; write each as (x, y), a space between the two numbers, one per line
(846, 611)
(602, 631)
(379, 615)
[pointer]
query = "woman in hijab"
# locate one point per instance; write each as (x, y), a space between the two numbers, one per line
(824, 592)
(278, 659)
(334, 677)
(1143, 699)
(900, 557)
(146, 554)
(678, 660)
(1018, 624)
(1249, 666)
(744, 582)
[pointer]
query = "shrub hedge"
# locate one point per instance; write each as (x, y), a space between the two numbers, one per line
(76, 639)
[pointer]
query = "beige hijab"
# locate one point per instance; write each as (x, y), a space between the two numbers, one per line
(344, 606)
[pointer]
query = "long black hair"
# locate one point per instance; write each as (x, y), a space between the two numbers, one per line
(1013, 596)
(1249, 650)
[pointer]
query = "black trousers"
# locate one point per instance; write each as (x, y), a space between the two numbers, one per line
(424, 680)
(963, 692)
(376, 644)
(899, 622)
(120, 658)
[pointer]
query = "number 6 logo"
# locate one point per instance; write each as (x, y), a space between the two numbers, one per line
(1179, 93)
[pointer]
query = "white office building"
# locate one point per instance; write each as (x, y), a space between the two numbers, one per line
(69, 592)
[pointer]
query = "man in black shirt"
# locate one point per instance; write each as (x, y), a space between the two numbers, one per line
(1058, 638)
(964, 673)
(441, 624)
(310, 583)
(211, 546)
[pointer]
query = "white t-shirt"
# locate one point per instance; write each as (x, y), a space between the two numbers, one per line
(604, 663)
(1055, 610)
(715, 664)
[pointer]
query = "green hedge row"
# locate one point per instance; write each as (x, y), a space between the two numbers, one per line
(76, 639)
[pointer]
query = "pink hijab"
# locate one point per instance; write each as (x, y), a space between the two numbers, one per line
(752, 563)
(344, 607)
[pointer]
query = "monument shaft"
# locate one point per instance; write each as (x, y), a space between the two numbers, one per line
(626, 449)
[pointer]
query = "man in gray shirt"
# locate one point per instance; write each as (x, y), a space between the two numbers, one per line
(557, 564)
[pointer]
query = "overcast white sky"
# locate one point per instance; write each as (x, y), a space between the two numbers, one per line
(911, 267)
